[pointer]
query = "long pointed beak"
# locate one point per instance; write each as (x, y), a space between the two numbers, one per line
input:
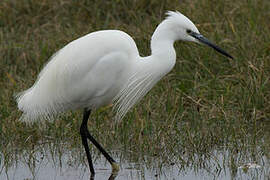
(204, 40)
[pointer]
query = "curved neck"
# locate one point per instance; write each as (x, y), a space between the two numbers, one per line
(163, 37)
(162, 45)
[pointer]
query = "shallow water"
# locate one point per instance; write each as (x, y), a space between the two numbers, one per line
(43, 163)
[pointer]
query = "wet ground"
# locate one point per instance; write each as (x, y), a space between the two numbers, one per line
(44, 164)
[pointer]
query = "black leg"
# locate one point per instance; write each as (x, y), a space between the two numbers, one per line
(85, 134)
(83, 131)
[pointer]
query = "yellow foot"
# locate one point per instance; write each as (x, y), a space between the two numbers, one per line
(115, 168)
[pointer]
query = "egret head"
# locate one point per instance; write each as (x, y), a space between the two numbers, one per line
(179, 27)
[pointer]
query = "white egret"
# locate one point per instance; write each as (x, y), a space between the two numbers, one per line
(105, 67)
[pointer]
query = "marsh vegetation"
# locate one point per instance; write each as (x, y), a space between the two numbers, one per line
(208, 118)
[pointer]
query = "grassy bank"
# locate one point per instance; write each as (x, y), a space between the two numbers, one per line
(207, 102)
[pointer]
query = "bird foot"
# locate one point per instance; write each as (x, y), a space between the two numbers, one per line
(115, 168)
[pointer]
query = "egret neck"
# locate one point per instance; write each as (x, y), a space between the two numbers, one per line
(162, 48)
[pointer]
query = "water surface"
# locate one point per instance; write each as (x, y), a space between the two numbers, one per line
(44, 163)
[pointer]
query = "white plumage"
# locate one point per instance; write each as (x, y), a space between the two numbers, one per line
(103, 67)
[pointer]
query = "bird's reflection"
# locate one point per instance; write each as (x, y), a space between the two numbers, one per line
(112, 176)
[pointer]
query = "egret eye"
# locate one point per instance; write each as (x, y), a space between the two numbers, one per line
(189, 31)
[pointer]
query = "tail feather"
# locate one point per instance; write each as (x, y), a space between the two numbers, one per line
(42, 100)
(36, 107)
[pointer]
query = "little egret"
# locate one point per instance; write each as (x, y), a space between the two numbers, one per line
(102, 68)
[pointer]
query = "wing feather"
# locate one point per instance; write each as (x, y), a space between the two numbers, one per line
(135, 89)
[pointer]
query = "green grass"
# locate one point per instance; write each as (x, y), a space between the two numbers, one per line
(207, 102)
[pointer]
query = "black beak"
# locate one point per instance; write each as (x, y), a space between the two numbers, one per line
(204, 40)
